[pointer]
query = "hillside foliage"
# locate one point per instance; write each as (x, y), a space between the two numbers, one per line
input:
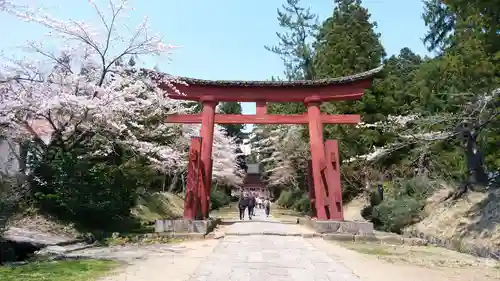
(425, 120)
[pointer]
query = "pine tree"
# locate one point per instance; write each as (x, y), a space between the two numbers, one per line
(295, 48)
(294, 45)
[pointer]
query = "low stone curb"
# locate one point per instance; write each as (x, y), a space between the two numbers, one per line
(455, 245)
(188, 236)
(233, 221)
(186, 226)
(390, 239)
(303, 235)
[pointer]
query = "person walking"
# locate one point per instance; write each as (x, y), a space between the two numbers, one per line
(251, 205)
(267, 206)
(242, 205)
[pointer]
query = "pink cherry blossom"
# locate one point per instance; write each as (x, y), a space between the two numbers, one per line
(86, 79)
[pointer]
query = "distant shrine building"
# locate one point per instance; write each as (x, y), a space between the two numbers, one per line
(253, 183)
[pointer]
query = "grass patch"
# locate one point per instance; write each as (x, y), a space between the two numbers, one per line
(425, 256)
(138, 239)
(159, 205)
(369, 249)
(74, 270)
(228, 212)
(283, 214)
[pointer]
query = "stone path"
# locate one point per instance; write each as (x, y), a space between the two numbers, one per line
(262, 225)
(170, 262)
(245, 254)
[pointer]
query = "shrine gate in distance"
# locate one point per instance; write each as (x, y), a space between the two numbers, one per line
(325, 192)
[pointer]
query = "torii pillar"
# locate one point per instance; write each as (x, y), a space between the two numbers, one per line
(317, 153)
(207, 137)
(325, 170)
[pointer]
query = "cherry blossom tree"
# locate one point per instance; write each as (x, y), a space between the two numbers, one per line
(225, 169)
(86, 83)
(284, 153)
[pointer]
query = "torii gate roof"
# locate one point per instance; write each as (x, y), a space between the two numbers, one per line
(341, 88)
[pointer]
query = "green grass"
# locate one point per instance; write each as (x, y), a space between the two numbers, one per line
(137, 239)
(160, 205)
(227, 212)
(283, 214)
(369, 249)
(74, 270)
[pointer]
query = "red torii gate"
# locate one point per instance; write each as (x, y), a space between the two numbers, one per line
(325, 192)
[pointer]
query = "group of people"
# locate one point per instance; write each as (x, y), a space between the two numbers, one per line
(249, 201)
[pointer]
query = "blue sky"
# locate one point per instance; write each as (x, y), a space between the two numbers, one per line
(224, 39)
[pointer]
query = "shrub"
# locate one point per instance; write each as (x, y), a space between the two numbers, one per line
(288, 197)
(418, 188)
(393, 215)
(302, 205)
(402, 204)
(219, 198)
(296, 200)
(95, 194)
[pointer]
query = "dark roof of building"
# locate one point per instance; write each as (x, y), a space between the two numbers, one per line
(297, 83)
(252, 179)
(244, 135)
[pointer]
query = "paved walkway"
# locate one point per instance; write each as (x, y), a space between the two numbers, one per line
(260, 224)
(269, 257)
(253, 256)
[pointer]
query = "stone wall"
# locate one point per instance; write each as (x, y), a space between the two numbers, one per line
(186, 226)
(456, 244)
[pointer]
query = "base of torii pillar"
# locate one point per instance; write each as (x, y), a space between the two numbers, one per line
(362, 228)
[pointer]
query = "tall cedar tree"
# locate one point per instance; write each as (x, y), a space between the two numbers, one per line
(347, 44)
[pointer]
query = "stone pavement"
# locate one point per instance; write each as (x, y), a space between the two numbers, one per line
(268, 257)
(262, 225)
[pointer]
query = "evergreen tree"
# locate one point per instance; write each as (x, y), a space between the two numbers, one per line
(347, 42)
(295, 48)
(449, 20)
(466, 72)
(232, 130)
(294, 45)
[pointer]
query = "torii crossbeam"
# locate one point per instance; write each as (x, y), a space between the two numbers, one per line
(265, 119)
(325, 194)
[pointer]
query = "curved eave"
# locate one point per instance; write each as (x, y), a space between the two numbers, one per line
(283, 84)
